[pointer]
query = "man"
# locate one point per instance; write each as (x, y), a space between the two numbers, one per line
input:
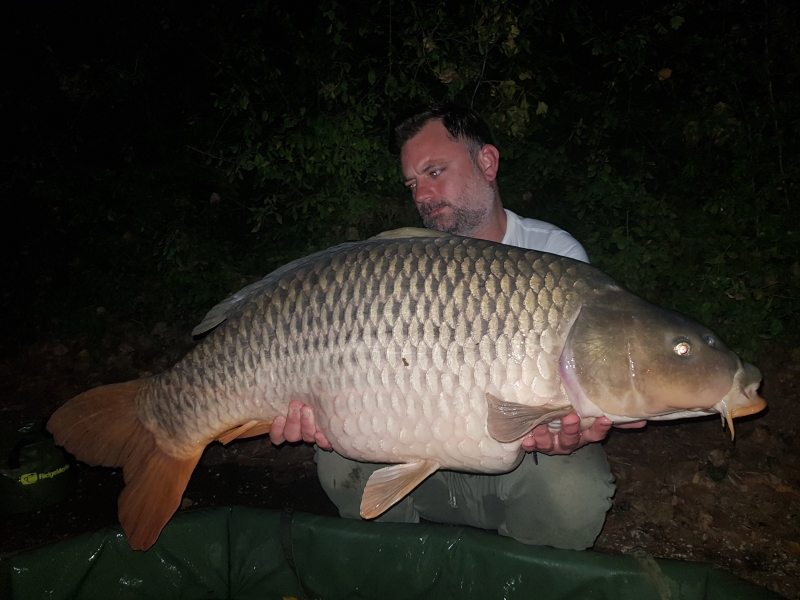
(450, 166)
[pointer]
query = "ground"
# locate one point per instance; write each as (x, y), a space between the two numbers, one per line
(685, 490)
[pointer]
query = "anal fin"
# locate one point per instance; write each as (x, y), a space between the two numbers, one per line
(509, 421)
(389, 485)
(245, 430)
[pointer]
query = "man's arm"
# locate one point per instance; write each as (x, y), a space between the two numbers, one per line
(299, 425)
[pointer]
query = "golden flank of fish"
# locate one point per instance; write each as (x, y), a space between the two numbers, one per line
(417, 348)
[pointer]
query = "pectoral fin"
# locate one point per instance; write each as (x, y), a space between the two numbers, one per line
(389, 485)
(509, 421)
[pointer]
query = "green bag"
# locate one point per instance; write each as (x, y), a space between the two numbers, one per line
(34, 472)
(251, 554)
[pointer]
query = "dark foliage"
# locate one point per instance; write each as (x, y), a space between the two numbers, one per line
(163, 155)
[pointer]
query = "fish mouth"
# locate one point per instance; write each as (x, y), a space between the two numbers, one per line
(743, 411)
(743, 399)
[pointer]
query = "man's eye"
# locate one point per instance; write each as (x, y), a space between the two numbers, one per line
(435, 173)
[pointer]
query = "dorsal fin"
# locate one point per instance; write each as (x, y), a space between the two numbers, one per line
(407, 232)
(220, 312)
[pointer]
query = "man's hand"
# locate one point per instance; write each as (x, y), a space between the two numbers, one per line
(298, 426)
(570, 437)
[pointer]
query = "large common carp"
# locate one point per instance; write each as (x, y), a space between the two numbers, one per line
(424, 349)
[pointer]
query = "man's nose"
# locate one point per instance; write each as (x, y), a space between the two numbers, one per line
(423, 192)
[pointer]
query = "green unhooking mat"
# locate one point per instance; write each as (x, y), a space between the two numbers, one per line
(249, 554)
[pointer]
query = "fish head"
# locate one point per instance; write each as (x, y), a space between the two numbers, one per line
(627, 359)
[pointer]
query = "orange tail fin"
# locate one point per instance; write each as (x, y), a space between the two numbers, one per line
(101, 427)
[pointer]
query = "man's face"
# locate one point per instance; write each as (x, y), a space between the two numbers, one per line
(451, 193)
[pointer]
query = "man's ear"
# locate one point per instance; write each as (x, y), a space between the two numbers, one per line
(489, 162)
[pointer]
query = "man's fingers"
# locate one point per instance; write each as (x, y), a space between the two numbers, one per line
(310, 431)
(292, 429)
(568, 439)
(598, 431)
(543, 438)
(568, 436)
(299, 425)
(308, 426)
(276, 431)
(322, 441)
(529, 443)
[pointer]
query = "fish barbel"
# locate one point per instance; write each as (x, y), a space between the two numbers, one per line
(417, 348)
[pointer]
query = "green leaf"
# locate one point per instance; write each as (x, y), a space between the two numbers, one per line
(675, 22)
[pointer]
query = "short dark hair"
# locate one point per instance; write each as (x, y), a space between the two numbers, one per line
(462, 124)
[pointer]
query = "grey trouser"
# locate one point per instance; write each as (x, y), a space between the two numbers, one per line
(560, 502)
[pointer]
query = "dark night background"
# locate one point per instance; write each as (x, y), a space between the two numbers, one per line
(158, 156)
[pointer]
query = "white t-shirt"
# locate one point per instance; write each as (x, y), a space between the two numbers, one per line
(544, 237)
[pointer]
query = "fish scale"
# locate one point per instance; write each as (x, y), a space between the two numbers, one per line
(334, 335)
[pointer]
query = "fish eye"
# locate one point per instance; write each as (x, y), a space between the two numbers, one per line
(710, 340)
(682, 348)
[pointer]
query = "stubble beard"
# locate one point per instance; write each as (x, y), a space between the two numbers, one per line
(470, 213)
